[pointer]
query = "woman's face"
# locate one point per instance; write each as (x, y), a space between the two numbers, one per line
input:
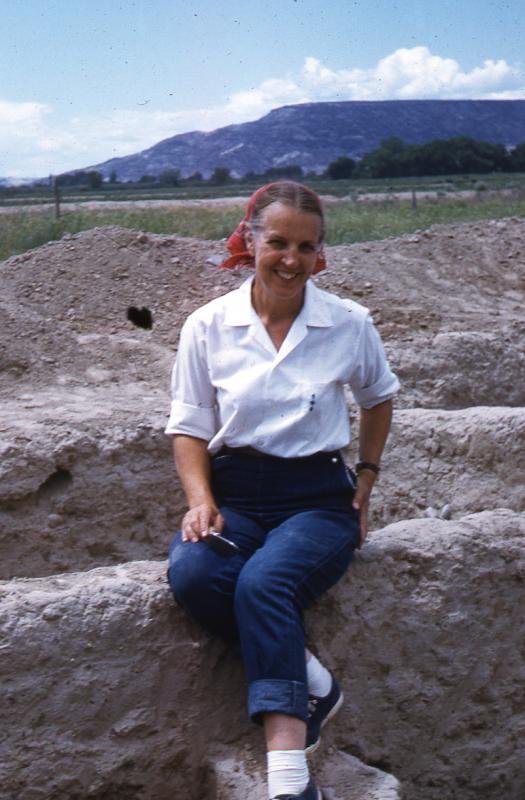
(285, 246)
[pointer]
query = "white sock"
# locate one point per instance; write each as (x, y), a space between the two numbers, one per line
(319, 679)
(287, 772)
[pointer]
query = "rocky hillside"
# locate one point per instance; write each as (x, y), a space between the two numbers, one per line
(314, 134)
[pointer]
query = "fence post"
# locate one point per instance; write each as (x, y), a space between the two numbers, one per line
(56, 193)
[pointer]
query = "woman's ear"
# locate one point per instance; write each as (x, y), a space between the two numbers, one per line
(250, 241)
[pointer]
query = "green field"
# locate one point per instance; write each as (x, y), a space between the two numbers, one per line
(349, 217)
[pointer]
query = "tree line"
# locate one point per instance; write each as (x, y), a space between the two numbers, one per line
(171, 177)
(459, 155)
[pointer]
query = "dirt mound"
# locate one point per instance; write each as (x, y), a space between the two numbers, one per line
(64, 305)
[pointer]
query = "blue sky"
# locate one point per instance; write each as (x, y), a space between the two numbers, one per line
(85, 80)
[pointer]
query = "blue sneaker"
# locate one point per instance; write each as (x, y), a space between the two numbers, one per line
(320, 710)
(310, 793)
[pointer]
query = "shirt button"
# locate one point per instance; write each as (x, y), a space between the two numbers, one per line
(334, 460)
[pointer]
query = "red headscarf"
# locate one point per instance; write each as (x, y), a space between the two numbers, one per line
(236, 244)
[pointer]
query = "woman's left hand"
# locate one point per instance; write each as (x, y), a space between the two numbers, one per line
(365, 484)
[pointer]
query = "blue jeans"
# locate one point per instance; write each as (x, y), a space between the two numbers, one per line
(297, 531)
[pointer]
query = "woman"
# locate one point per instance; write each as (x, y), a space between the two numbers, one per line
(259, 417)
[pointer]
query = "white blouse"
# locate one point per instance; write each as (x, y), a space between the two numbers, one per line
(230, 386)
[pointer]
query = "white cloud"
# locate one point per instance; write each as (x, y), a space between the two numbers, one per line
(26, 135)
(270, 94)
(19, 115)
(34, 144)
(409, 74)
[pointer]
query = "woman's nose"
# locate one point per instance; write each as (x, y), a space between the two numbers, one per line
(291, 256)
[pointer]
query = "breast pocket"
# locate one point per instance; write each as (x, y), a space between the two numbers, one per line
(299, 405)
(325, 413)
(318, 401)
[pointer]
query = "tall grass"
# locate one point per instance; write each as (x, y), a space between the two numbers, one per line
(21, 231)
(361, 222)
(347, 221)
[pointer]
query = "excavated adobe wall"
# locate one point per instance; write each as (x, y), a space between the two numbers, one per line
(458, 369)
(452, 463)
(110, 692)
(104, 492)
(91, 495)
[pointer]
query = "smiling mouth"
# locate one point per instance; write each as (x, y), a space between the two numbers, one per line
(287, 276)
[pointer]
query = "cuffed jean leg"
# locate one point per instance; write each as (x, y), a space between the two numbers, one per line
(300, 559)
(203, 582)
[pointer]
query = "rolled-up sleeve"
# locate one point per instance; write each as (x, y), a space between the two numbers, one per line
(372, 381)
(193, 396)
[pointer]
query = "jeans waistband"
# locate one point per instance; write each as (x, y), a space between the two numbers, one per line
(251, 452)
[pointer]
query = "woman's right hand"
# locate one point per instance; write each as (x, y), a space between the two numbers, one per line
(199, 520)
